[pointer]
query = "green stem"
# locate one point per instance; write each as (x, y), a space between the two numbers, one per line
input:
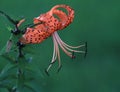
(20, 74)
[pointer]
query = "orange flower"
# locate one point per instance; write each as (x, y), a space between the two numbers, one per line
(52, 21)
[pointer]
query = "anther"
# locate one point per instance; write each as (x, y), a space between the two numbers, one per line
(59, 68)
(73, 55)
(47, 72)
(85, 49)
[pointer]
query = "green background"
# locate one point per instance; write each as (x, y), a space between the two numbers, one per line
(97, 22)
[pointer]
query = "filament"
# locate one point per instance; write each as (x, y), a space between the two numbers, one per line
(69, 50)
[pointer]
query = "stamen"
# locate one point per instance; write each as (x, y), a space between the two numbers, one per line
(85, 49)
(55, 54)
(59, 68)
(67, 44)
(69, 50)
(73, 55)
(67, 47)
(47, 72)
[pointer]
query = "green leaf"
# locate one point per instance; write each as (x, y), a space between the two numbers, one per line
(3, 89)
(6, 69)
(28, 57)
(30, 49)
(9, 57)
(9, 28)
(3, 50)
(34, 71)
(30, 87)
